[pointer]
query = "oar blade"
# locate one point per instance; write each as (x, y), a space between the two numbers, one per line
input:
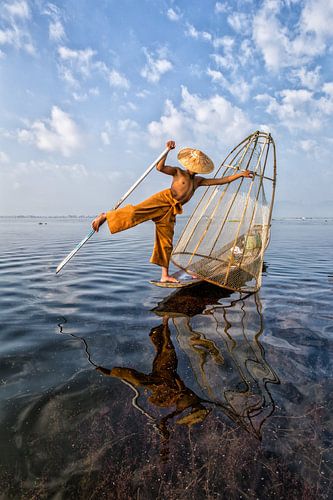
(73, 252)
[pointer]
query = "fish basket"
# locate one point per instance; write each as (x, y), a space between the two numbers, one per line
(228, 232)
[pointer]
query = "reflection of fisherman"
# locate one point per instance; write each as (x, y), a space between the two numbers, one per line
(166, 387)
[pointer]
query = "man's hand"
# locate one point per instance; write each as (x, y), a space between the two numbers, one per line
(171, 145)
(98, 221)
(247, 173)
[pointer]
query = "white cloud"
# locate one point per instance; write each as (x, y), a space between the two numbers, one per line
(246, 52)
(282, 46)
(229, 65)
(209, 123)
(52, 10)
(73, 169)
(239, 88)
(220, 8)
(108, 132)
(80, 63)
(317, 18)
(105, 138)
(18, 9)
(299, 109)
(263, 98)
(67, 76)
(94, 91)
(225, 42)
(128, 125)
(113, 77)
(23, 180)
(307, 145)
(3, 157)
(174, 14)
(192, 32)
(79, 60)
(14, 30)
(126, 129)
(56, 28)
(79, 97)
(83, 96)
(59, 133)
(127, 106)
(270, 37)
(216, 76)
(155, 67)
(328, 88)
(37, 168)
(143, 94)
(116, 79)
(223, 62)
(240, 22)
(315, 150)
(307, 78)
(130, 129)
(56, 31)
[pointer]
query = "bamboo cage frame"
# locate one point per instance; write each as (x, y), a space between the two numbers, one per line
(219, 266)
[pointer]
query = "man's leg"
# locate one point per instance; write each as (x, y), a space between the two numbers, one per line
(166, 278)
(160, 209)
(163, 246)
(123, 218)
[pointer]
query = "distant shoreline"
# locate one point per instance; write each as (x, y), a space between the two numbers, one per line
(179, 216)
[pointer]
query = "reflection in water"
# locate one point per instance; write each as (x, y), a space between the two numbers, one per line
(83, 340)
(229, 362)
(162, 388)
(67, 431)
(229, 371)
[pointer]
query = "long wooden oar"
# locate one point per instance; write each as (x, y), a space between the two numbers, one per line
(131, 189)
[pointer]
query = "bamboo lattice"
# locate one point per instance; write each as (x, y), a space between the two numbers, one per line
(226, 236)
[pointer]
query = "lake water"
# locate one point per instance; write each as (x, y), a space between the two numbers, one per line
(113, 388)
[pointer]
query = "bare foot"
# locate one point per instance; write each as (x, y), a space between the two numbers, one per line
(98, 221)
(169, 279)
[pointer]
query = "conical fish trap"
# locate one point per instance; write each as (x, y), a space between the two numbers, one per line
(226, 236)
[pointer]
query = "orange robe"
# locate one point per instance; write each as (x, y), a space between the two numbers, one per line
(162, 209)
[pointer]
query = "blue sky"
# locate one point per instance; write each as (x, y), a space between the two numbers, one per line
(90, 92)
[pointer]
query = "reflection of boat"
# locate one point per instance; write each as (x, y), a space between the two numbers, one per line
(226, 236)
(191, 301)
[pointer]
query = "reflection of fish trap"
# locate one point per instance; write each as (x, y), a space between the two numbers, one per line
(226, 236)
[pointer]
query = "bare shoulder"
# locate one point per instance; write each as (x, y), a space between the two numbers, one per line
(181, 172)
(198, 181)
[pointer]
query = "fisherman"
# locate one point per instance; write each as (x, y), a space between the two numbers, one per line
(163, 207)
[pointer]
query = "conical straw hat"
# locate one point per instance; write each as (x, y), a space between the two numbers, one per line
(195, 160)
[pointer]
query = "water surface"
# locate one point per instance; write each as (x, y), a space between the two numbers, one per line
(113, 388)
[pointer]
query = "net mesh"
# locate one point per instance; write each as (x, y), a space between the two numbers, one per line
(226, 236)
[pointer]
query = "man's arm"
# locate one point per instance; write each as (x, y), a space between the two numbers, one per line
(166, 169)
(100, 219)
(224, 180)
